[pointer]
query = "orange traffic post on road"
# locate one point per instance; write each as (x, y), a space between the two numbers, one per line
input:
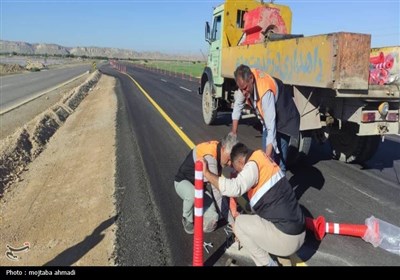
(198, 215)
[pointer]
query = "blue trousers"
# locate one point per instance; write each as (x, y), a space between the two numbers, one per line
(282, 141)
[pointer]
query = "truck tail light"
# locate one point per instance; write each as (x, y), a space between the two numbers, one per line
(368, 117)
(393, 117)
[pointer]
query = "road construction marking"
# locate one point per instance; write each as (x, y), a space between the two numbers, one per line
(41, 94)
(186, 89)
(184, 137)
(164, 80)
(355, 188)
(366, 194)
(329, 210)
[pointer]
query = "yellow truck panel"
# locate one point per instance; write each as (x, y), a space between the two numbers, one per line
(336, 60)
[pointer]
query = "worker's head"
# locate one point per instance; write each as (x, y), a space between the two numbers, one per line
(238, 156)
(244, 79)
(227, 144)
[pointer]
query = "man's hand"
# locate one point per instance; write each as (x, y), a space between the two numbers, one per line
(268, 150)
(211, 177)
(205, 166)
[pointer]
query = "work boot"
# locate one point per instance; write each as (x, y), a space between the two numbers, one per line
(187, 226)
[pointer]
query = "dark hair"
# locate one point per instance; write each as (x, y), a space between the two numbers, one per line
(239, 150)
(243, 72)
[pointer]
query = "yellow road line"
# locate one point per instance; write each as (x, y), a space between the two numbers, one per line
(184, 137)
(295, 260)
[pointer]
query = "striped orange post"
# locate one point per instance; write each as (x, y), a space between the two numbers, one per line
(346, 229)
(198, 215)
(320, 227)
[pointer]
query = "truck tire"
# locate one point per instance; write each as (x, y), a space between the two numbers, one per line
(298, 151)
(350, 148)
(208, 105)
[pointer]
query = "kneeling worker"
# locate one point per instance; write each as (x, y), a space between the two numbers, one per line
(279, 224)
(217, 155)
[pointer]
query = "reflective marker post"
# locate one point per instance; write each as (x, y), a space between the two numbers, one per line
(198, 215)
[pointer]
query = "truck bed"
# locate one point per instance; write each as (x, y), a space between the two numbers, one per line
(339, 61)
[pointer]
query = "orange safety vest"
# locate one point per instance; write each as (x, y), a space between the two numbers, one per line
(263, 83)
(268, 175)
(186, 170)
(207, 148)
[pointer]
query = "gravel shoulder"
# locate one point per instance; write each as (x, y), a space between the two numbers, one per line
(63, 204)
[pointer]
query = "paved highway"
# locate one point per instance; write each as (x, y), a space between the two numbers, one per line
(150, 152)
(14, 89)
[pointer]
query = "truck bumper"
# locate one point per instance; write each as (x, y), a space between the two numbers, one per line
(379, 128)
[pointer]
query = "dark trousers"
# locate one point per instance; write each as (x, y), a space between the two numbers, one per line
(282, 141)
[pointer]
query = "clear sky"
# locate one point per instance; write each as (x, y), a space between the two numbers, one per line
(178, 26)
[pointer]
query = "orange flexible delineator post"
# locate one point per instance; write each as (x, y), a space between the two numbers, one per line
(319, 226)
(198, 215)
(346, 229)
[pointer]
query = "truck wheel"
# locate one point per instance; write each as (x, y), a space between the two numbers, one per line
(208, 104)
(350, 148)
(298, 151)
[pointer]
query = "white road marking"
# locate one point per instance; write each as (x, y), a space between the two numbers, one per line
(329, 210)
(186, 89)
(355, 188)
(164, 80)
(370, 196)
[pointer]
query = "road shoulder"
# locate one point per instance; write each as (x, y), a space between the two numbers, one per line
(64, 205)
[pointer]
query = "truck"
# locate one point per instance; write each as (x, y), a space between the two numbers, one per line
(346, 93)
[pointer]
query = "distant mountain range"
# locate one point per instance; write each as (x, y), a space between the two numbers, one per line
(53, 49)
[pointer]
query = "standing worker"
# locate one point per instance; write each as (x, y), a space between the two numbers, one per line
(278, 226)
(274, 107)
(217, 155)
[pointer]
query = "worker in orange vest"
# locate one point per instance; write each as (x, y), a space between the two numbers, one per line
(217, 155)
(274, 107)
(278, 226)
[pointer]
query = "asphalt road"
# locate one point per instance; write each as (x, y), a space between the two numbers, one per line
(17, 88)
(342, 193)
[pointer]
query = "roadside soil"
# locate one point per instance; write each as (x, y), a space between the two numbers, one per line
(63, 204)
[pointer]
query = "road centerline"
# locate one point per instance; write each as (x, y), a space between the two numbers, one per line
(183, 135)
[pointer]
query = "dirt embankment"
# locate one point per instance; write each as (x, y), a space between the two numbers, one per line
(6, 69)
(17, 150)
(59, 170)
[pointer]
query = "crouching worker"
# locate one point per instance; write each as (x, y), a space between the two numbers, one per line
(217, 155)
(278, 226)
